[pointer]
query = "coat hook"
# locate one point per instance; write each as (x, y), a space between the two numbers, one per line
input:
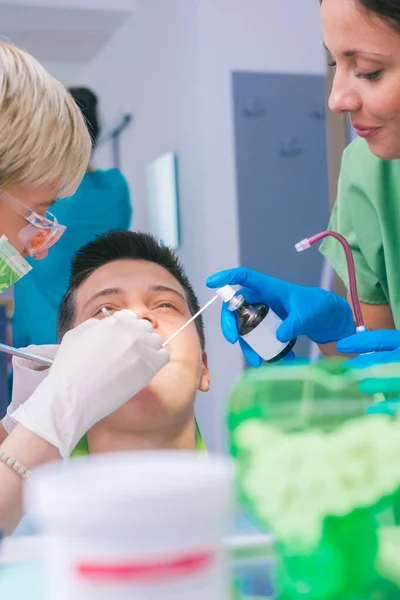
(319, 114)
(253, 108)
(291, 148)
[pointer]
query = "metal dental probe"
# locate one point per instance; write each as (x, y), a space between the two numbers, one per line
(41, 360)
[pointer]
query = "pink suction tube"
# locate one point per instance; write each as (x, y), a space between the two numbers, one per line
(308, 242)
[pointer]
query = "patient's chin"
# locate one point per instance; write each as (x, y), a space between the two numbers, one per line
(162, 401)
(166, 384)
(146, 395)
(151, 403)
(147, 411)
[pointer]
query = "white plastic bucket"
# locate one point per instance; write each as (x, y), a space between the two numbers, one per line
(142, 526)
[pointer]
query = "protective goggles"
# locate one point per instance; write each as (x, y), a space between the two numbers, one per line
(41, 233)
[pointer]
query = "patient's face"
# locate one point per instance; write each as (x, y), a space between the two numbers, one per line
(153, 294)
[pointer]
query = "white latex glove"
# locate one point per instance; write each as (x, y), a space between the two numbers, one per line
(99, 366)
(27, 375)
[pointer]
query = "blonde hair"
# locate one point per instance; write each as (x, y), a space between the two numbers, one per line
(43, 136)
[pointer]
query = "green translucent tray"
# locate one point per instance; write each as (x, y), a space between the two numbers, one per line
(299, 408)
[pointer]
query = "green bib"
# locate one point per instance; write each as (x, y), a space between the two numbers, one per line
(82, 449)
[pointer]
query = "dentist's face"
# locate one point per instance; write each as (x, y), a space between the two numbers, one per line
(39, 199)
(154, 294)
(365, 51)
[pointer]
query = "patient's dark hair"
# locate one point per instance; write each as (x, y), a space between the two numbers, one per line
(122, 245)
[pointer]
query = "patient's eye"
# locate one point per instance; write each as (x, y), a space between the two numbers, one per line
(100, 313)
(166, 305)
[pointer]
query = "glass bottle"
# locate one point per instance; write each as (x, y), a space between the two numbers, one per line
(257, 325)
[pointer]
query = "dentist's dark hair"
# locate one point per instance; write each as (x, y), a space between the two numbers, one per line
(87, 102)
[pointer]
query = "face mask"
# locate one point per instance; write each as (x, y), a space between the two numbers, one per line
(12, 265)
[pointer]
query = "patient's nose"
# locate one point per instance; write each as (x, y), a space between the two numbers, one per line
(143, 312)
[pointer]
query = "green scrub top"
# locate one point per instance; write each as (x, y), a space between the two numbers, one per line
(367, 214)
(82, 449)
(101, 203)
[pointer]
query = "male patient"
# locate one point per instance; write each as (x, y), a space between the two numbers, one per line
(130, 270)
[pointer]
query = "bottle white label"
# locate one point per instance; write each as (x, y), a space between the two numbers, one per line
(263, 338)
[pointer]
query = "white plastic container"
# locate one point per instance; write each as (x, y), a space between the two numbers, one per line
(142, 526)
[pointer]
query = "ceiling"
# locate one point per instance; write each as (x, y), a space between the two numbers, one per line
(64, 38)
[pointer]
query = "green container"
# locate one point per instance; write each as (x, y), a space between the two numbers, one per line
(322, 476)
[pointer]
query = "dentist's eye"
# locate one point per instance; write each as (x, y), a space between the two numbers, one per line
(370, 76)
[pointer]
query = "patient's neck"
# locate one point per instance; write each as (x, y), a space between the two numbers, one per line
(106, 439)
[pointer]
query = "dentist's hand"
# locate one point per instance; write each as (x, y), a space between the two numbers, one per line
(27, 375)
(99, 366)
(376, 347)
(379, 346)
(320, 315)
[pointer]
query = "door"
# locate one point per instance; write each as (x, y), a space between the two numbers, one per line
(282, 178)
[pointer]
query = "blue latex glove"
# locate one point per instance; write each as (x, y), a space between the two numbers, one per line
(320, 315)
(387, 407)
(383, 346)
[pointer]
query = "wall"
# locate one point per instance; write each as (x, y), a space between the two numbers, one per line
(114, 5)
(256, 35)
(66, 72)
(171, 66)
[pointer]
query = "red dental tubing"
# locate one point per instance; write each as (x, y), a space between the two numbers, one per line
(308, 242)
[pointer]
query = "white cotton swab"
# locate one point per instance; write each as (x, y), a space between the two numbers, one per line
(178, 331)
(190, 321)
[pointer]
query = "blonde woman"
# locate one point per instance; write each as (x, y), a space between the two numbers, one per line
(101, 203)
(44, 152)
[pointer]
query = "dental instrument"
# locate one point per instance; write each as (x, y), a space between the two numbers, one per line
(308, 242)
(41, 360)
(47, 362)
(107, 314)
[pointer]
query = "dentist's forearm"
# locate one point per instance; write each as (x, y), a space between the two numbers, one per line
(376, 316)
(31, 451)
(328, 350)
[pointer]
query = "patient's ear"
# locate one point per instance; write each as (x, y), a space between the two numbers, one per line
(204, 381)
